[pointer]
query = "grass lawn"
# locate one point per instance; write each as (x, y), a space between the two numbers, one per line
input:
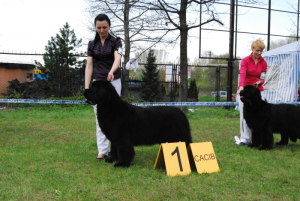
(48, 153)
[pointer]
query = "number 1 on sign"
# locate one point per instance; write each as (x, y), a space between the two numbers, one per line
(176, 151)
(174, 165)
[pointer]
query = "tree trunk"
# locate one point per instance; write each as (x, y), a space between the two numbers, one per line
(183, 52)
(125, 72)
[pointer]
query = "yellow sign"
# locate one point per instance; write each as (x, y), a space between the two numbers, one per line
(204, 157)
(174, 157)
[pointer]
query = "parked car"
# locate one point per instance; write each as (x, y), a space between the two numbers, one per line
(221, 94)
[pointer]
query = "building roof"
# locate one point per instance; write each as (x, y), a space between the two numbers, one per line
(16, 66)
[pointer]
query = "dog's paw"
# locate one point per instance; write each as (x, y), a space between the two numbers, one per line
(281, 143)
(254, 146)
(250, 145)
(120, 164)
(109, 159)
(265, 147)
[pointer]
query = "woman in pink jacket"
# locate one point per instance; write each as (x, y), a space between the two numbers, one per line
(253, 69)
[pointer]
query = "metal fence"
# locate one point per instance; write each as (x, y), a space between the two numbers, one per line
(236, 34)
(222, 76)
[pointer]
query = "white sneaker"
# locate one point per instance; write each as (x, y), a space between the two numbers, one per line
(237, 140)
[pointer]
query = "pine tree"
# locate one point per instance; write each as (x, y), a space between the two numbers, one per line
(151, 87)
(60, 62)
(193, 91)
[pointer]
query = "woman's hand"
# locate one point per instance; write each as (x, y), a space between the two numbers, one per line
(257, 83)
(239, 90)
(110, 76)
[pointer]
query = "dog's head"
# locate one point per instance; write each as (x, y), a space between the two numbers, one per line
(101, 92)
(250, 95)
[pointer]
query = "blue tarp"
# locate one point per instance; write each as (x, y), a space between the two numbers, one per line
(40, 76)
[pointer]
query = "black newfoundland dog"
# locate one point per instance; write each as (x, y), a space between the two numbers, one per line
(264, 119)
(126, 125)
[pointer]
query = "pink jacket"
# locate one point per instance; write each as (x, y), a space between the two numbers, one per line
(250, 72)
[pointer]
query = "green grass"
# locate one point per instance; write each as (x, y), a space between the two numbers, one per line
(210, 99)
(48, 153)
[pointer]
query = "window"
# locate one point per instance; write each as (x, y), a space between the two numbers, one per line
(29, 76)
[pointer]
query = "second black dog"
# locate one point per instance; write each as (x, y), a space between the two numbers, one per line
(264, 119)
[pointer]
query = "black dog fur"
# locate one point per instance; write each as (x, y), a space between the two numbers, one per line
(126, 125)
(264, 119)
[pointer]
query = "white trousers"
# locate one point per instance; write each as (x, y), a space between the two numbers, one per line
(244, 129)
(102, 141)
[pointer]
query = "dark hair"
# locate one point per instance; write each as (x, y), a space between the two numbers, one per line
(100, 17)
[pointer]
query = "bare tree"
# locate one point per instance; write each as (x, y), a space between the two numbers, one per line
(178, 15)
(132, 20)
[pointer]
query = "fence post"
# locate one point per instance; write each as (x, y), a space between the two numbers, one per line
(230, 59)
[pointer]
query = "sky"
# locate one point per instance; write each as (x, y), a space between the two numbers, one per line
(27, 25)
(251, 20)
